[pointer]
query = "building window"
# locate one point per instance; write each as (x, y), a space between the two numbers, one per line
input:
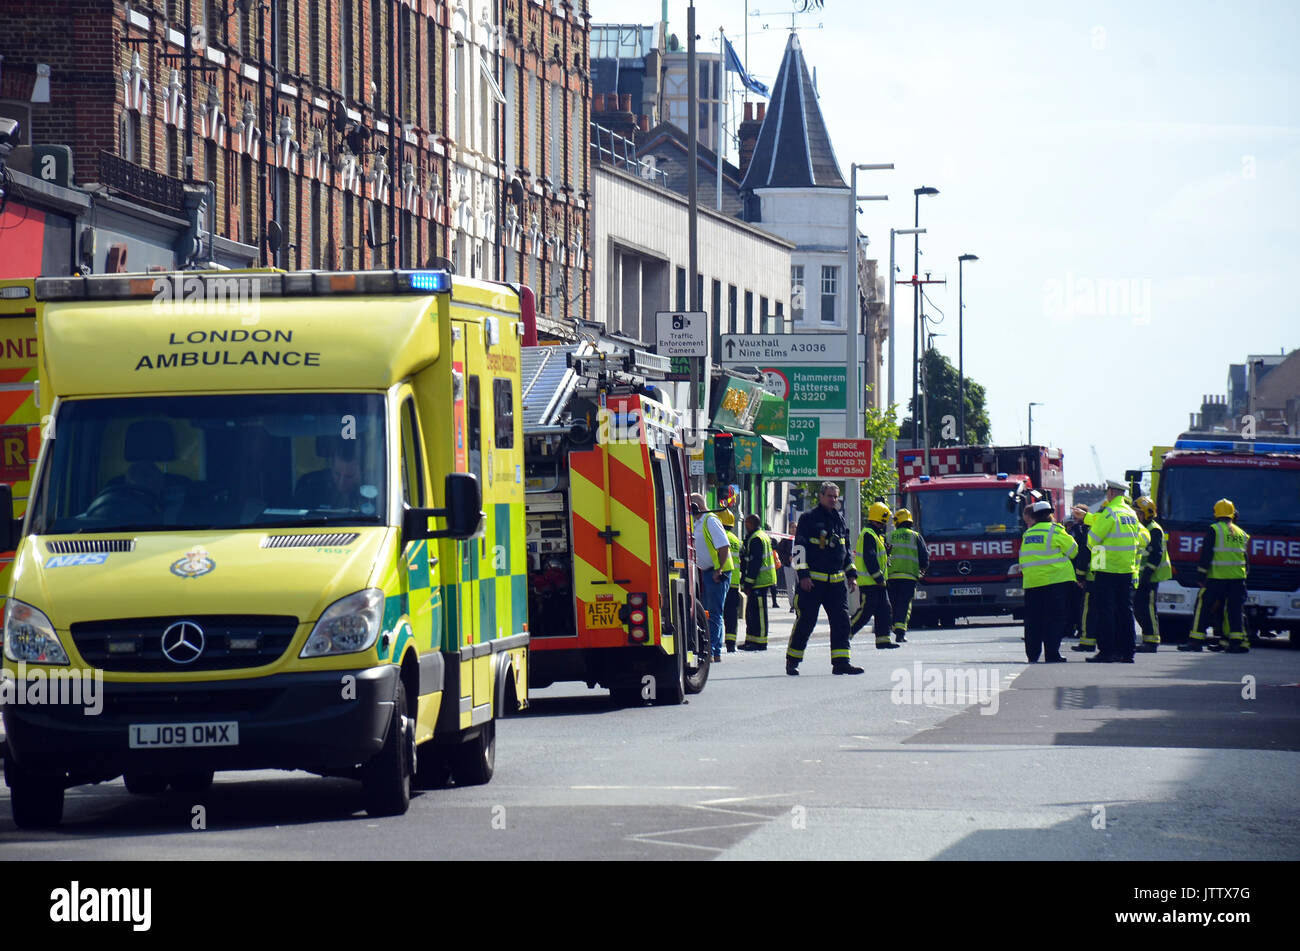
(347, 72)
(749, 312)
(458, 93)
(830, 291)
(348, 243)
(717, 304)
(246, 201)
(316, 215)
(557, 135)
(780, 318)
(511, 157)
(531, 123)
(576, 152)
(284, 46)
(763, 317)
(681, 289)
(314, 39)
(796, 293)
(378, 66)
(731, 309)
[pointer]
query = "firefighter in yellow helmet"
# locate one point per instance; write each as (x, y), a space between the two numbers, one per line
(871, 558)
(731, 608)
(908, 559)
(1223, 567)
(1153, 567)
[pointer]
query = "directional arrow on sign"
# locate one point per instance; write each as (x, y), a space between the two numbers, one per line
(731, 349)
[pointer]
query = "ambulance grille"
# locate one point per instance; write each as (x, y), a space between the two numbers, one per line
(310, 541)
(88, 546)
(229, 641)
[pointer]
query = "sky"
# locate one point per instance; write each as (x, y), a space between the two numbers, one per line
(1128, 174)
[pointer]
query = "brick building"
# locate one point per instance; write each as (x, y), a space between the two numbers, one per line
(374, 133)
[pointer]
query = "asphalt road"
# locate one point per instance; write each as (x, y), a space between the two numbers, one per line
(1165, 759)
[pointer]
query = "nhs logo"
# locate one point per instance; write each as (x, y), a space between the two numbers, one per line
(68, 561)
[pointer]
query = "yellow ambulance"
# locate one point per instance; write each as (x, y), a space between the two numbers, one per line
(280, 516)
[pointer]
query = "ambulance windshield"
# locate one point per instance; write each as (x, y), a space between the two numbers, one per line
(214, 462)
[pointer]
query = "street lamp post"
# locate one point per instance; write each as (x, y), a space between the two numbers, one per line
(893, 232)
(852, 315)
(961, 369)
(1031, 421)
(916, 303)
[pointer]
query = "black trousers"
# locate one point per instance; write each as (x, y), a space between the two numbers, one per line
(756, 617)
(1074, 611)
(900, 601)
(1113, 592)
(1220, 603)
(1045, 619)
(874, 604)
(832, 596)
(1144, 610)
(731, 613)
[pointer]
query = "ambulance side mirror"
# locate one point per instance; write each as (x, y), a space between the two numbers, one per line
(11, 529)
(464, 512)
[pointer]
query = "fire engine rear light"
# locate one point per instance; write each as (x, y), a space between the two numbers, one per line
(638, 633)
(637, 618)
(636, 599)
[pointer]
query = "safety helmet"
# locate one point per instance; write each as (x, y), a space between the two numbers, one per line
(1145, 507)
(879, 512)
(902, 517)
(726, 518)
(1224, 508)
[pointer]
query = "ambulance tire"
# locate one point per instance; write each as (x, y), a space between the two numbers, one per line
(191, 784)
(36, 801)
(145, 784)
(670, 683)
(432, 766)
(474, 762)
(697, 676)
(386, 779)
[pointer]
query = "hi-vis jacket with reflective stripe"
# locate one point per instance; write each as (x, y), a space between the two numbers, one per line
(907, 554)
(1113, 538)
(1156, 558)
(760, 566)
(734, 542)
(871, 558)
(1046, 553)
(1223, 552)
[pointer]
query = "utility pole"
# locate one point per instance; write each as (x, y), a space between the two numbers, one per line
(916, 307)
(692, 188)
(852, 333)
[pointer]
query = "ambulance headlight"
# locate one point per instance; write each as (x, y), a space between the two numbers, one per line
(348, 625)
(30, 637)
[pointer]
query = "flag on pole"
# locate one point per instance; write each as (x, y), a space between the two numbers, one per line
(735, 65)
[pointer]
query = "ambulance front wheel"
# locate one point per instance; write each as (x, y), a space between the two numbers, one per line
(386, 779)
(474, 762)
(37, 801)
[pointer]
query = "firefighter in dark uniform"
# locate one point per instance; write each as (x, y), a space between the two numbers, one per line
(758, 577)
(871, 558)
(1223, 567)
(823, 561)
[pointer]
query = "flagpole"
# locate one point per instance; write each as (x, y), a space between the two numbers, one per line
(718, 114)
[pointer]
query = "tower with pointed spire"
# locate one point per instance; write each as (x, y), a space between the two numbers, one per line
(793, 187)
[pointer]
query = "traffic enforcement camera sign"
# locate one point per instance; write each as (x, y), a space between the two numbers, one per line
(844, 458)
(682, 334)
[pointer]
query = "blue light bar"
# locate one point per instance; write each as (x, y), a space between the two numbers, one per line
(1002, 476)
(1245, 446)
(925, 478)
(435, 281)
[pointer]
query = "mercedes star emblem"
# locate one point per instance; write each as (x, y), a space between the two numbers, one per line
(964, 568)
(182, 642)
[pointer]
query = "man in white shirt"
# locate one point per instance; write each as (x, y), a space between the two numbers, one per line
(713, 556)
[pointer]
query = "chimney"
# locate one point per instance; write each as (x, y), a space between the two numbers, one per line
(598, 102)
(606, 112)
(643, 123)
(747, 135)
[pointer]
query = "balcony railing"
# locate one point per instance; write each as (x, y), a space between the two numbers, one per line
(144, 185)
(613, 149)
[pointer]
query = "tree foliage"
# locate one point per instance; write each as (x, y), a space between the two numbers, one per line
(943, 426)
